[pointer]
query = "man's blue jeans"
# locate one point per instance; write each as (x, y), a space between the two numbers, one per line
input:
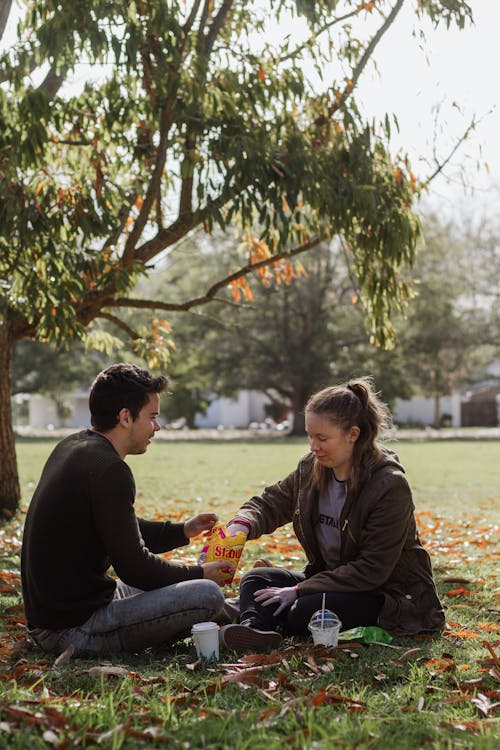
(135, 619)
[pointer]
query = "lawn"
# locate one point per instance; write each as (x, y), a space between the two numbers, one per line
(440, 692)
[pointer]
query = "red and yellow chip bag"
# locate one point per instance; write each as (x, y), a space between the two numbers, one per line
(221, 546)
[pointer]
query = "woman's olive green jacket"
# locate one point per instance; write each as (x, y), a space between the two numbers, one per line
(380, 547)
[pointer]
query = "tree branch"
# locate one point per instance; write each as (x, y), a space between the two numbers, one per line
(351, 85)
(209, 296)
(120, 324)
(216, 25)
(442, 165)
(5, 6)
(152, 190)
(201, 26)
(52, 83)
(123, 214)
(318, 33)
(189, 23)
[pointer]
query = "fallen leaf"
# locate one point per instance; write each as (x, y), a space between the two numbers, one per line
(483, 703)
(65, 657)
(460, 592)
(261, 659)
(110, 671)
(51, 737)
(440, 665)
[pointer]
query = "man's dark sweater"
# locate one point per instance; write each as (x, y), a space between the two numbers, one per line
(81, 520)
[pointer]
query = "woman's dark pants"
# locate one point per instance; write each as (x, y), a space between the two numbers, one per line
(353, 609)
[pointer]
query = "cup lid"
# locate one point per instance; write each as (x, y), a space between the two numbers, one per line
(199, 626)
(324, 618)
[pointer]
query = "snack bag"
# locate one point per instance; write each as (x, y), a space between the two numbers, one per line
(221, 545)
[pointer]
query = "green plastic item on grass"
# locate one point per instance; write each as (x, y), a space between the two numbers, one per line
(366, 634)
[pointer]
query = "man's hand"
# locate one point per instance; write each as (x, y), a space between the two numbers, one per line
(284, 597)
(201, 522)
(213, 571)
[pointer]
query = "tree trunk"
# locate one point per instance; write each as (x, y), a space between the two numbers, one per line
(299, 400)
(10, 491)
(437, 412)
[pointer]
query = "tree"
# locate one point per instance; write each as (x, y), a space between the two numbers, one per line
(285, 342)
(448, 336)
(41, 368)
(296, 336)
(481, 261)
(189, 117)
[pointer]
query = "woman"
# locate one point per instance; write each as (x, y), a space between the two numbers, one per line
(352, 511)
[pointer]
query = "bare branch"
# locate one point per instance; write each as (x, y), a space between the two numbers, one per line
(209, 296)
(441, 165)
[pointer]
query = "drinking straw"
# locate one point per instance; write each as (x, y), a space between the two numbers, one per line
(323, 613)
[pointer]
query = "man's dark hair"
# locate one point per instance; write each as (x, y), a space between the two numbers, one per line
(118, 387)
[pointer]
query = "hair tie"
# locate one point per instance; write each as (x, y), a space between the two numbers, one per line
(360, 398)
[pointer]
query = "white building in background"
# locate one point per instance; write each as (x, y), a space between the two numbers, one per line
(43, 413)
(419, 411)
(247, 407)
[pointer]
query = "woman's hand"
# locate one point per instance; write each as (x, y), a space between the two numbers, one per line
(213, 571)
(285, 597)
(199, 523)
(235, 526)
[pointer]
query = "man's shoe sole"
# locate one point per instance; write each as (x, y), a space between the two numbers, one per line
(243, 639)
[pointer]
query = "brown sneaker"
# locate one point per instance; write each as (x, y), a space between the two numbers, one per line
(242, 639)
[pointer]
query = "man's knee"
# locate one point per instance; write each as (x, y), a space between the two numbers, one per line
(209, 595)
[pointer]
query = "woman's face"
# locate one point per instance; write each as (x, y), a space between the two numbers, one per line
(332, 446)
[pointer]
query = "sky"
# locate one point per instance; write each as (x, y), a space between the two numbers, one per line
(457, 71)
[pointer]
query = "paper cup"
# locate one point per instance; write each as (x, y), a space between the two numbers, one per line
(325, 627)
(206, 640)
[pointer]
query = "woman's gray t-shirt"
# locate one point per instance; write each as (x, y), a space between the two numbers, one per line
(327, 530)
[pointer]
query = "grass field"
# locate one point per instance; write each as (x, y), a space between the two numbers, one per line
(447, 476)
(440, 692)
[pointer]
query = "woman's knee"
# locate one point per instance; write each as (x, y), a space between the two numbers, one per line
(264, 577)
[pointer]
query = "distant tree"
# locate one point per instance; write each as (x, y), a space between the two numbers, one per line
(297, 335)
(446, 339)
(481, 263)
(189, 117)
(41, 368)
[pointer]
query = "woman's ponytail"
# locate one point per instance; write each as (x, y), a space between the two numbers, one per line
(354, 403)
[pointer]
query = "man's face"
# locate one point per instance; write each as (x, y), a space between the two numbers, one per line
(142, 429)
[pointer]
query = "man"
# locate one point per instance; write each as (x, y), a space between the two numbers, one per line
(81, 521)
